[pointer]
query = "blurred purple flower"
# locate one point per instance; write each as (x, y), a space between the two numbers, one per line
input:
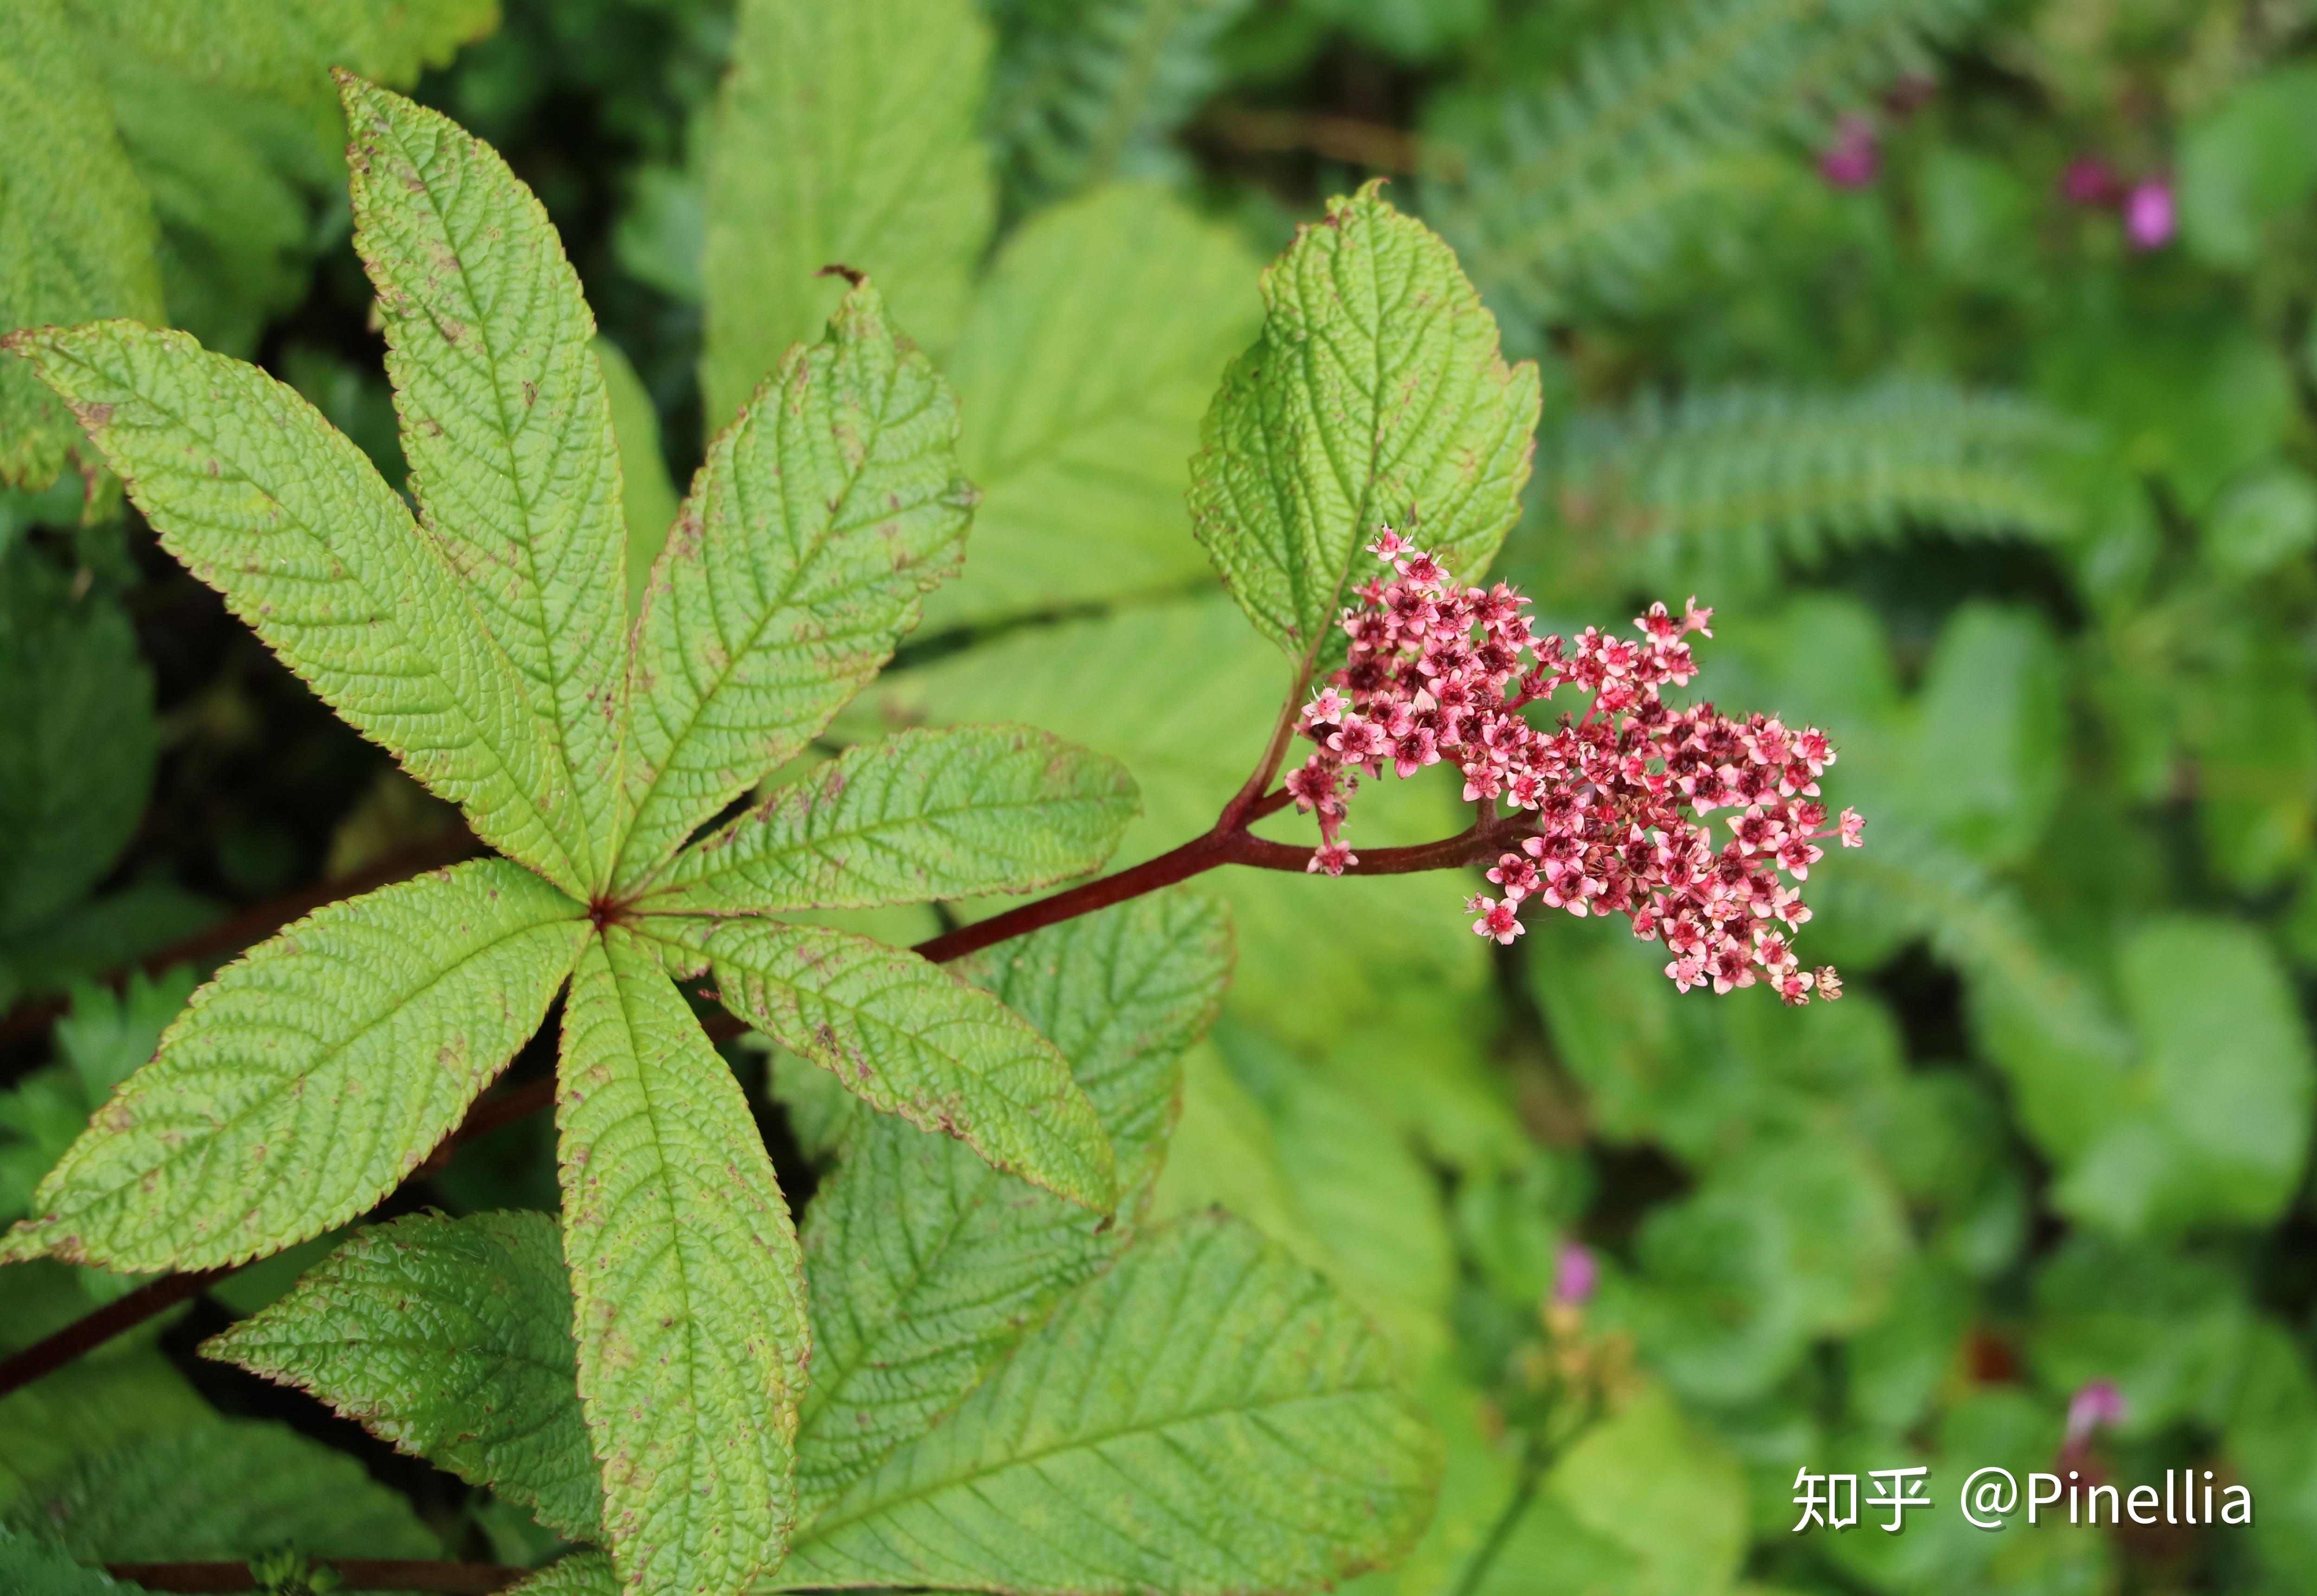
(2095, 1406)
(1854, 156)
(2148, 218)
(1575, 1274)
(2090, 181)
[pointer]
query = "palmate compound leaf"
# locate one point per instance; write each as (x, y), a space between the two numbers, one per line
(264, 501)
(452, 1339)
(1208, 1416)
(1375, 396)
(908, 1038)
(925, 1265)
(689, 1287)
(820, 517)
(507, 426)
(311, 1076)
(911, 819)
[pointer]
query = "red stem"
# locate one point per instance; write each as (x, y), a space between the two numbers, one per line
(52, 1352)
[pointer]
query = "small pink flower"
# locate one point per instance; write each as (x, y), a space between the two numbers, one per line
(1328, 707)
(1413, 750)
(1732, 965)
(1758, 832)
(1853, 828)
(1796, 855)
(2149, 220)
(1388, 546)
(1855, 158)
(1499, 920)
(2097, 1405)
(1771, 952)
(1576, 1276)
(1516, 874)
(1360, 741)
(1331, 858)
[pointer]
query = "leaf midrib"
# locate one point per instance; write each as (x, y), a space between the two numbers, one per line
(329, 1058)
(823, 1529)
(834, 526)
(480, 325)
(866, 833)
(672, 1229)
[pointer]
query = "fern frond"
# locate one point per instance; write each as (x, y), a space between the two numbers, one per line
(1586, 184)
(1718, 487)
(1089, 91)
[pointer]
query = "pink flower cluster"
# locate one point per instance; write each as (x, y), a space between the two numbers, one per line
(2151, 216)
(1438, 673)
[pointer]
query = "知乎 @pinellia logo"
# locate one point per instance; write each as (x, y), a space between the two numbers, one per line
(1992, 1498)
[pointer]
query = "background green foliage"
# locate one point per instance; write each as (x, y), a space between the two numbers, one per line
(2024, 516)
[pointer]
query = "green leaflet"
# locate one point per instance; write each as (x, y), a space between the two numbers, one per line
(452, 1339)
(221, 1488)
(262, 499)
(1088, 357)
(311, 1075)
(915, 816)
(506, 428)
(1375, 396)
(1207, 1416)
(822, 512)
(575, 1574)
(923, 1263)
(846, 135)
(77, 231)
(908, 1038)
(76, 763)
(1122, 993)
(689, 1288)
